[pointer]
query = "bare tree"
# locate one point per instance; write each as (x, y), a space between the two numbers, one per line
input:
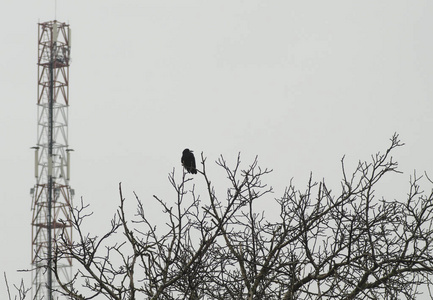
(323, 245)
(22, 291)
(350, 246)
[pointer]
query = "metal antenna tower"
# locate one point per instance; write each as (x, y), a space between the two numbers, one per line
(51, 195)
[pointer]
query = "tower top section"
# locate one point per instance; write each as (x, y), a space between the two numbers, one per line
(54, 41)
(54, 57)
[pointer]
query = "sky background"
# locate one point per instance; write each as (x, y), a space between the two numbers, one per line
(298, 83)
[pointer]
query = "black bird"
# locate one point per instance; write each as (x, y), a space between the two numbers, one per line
(188, 161)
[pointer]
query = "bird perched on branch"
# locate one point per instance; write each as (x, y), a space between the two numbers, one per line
(188, 161)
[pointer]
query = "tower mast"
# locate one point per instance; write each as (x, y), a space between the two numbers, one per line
(52, 194)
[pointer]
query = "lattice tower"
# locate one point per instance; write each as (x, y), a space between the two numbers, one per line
(52, 194)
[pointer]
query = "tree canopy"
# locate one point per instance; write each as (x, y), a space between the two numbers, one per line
(345, 244)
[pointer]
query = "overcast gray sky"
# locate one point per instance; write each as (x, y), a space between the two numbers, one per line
(298, 83)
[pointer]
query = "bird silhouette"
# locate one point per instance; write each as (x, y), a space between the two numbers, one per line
(188, 161)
